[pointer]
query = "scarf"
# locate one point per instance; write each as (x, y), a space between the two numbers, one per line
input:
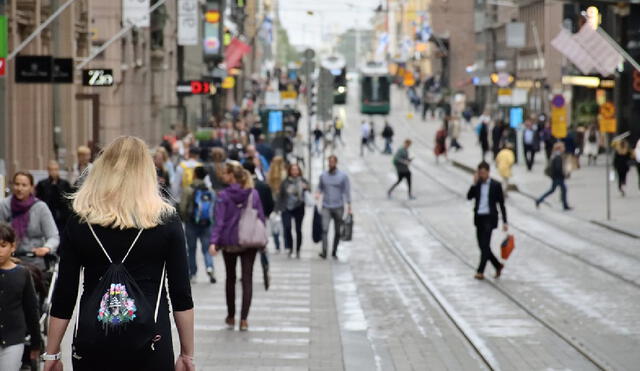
(20, 214)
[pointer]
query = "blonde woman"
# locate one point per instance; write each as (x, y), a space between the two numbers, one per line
(229, 206)
(276, 175)
(122, 218)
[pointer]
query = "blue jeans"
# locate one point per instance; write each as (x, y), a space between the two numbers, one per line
(195, 233)
(563, 192)
(387, 145)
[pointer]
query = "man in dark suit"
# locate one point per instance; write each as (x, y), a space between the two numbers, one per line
(488, 196)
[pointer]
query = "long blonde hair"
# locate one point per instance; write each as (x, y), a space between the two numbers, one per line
(240, 174)
(121, 190)
(277, 173)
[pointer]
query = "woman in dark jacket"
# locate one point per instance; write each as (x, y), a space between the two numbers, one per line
(291, 204)
(121, 218)
(225, 237)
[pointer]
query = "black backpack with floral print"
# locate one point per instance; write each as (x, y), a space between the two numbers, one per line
(116, 320)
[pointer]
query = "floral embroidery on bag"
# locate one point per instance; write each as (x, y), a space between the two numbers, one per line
(116, 307)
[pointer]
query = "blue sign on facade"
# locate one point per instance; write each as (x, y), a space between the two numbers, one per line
(516, 117)
(275, 121)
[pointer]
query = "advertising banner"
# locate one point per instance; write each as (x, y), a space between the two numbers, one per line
(136, 12)
(188, 22)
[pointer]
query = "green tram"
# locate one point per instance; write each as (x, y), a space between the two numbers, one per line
(375, 88)
(337, 65)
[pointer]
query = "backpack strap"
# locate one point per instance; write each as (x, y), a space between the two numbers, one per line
(105, 251)
(155, 313)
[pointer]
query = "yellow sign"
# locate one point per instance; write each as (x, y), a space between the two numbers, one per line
(608, 110)
(288, 95)
(229, 82)
(505, 92)
(608, 125)
(408, 79)
(559, 122)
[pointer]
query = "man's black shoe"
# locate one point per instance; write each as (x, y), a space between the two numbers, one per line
(322, 255)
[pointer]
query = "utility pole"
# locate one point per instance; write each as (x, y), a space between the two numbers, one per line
(309, 54)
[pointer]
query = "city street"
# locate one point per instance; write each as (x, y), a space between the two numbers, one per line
(402, 294)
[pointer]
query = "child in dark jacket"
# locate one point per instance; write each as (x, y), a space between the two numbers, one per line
(19, 304)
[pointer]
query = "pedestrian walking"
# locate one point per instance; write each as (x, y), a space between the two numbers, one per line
(621, 162)
(268, 205)
(53, 191)
(79, 169)
(387, 134)
(371, 143)
(20, 304)
(160, 157)
(504, 162)
(592, 144)
(488, 196)
(196, 209)
(335, 190)
(184, 174)
(440, 147)
(225, 237)
(365, 135)
(31, 220)
(548, 139)
(483, 136)
(275, 177)
(530, 143)
(291, 204)
(401, 161)
(496, 137)
(318, 134)
(556, 170)
(338, 125)
(454, 133)
(125, 238)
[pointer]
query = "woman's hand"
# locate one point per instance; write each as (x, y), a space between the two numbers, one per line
(53, 366)
(212, 250)
(185, 363)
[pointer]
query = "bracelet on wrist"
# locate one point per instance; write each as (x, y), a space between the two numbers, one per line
(186, 356)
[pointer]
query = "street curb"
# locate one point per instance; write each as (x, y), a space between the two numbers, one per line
(615, 229)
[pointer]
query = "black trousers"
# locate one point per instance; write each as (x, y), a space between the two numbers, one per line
(529, 155)
(402, 175)
(297, 215)
(247, 257)
(484, 229)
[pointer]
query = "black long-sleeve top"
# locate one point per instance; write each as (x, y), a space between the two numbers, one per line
(18, 308)
(162, 244)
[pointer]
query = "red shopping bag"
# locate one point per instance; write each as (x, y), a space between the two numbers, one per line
(507, 246)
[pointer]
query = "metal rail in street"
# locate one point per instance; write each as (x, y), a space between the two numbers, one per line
(570, 340)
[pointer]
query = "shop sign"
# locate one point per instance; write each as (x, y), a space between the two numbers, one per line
(188, 22)
(502, 79)
(607, 118)
(229, 82)
(97, 77)
(136, 12)
(34, 69)
(3, 67)
(275, 121)
(408, 79)
(559, 122)
(4, 40)
(63, 70)
(196, 87)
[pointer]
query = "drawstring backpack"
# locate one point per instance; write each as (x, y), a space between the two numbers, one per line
(116, 321)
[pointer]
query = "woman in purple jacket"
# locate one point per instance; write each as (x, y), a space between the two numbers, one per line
(229, 206)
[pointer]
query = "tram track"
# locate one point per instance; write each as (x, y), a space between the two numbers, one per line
(476, 343)
(523, 231)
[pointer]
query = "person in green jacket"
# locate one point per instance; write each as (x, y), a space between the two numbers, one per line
(401, 161)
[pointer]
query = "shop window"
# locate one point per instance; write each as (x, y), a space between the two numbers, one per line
(158, 22)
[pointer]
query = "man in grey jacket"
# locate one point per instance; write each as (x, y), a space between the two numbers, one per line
(335, 189)
(402, 161)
